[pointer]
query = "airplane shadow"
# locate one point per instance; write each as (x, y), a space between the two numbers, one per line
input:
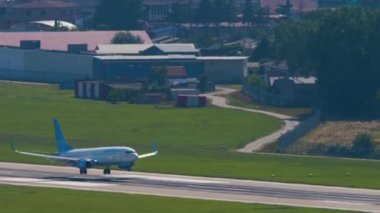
(92, 179)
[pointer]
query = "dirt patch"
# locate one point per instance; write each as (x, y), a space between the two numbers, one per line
(341, 132)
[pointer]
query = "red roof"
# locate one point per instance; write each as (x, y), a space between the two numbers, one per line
(60, 40)
(176, 71)
(45, 4)
(298, 5)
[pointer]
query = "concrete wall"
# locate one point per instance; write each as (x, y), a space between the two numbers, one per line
(44, 66)
(11, 59)
(225, 71)
(301, 130)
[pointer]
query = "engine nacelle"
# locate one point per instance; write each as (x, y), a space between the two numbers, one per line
(84, 164)
(88, 164)
(127, 166)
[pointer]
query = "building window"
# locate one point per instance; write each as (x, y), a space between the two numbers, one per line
(43, 12)
(28, 13)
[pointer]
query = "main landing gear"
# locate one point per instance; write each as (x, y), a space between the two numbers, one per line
(107, 171)
(83, 171)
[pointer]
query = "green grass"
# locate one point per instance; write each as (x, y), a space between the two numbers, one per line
(191, 141)
(29, 111)
(241, 100)
(33, 199)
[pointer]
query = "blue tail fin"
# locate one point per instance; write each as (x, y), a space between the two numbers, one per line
(62, 145)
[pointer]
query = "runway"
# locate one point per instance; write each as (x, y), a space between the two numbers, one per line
(192, 187)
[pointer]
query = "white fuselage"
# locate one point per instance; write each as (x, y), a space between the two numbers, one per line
(104, 155)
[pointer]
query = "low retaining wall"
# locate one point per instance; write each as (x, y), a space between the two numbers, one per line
(301, 130)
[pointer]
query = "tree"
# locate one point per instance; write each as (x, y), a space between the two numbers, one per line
(285, 9)
(292, 43)
(220, 11)
(176, 15)
(345, 53)
(204, 13)
(231, 12)
(343, 48)
(126, 38)
(363, 145)
(157, 79)
(261, 15)
(370, 3)
(248, 12)
(118, 14)
(263, 50)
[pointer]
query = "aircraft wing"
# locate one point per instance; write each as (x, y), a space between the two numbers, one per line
(52, 157)
(148, 155)
(155, 151)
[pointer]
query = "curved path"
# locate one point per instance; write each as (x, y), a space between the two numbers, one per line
(290, 123)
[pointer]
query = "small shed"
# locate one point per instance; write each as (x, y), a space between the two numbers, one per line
(90, 90)
(191, 101)
(149, 98)
(182, 91)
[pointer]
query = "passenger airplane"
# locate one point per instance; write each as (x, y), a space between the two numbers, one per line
(124, 157)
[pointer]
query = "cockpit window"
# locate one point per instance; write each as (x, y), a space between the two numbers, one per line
(129, 152)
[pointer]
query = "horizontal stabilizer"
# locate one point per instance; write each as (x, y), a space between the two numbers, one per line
(52, 157)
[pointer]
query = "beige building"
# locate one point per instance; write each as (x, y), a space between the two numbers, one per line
(45, 66)
(224, 69)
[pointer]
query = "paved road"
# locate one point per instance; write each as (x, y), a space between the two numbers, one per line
(217, 98)
(192, 187)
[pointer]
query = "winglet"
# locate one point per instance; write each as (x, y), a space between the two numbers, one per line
(154, 152)
(12, 146)
(155, 148)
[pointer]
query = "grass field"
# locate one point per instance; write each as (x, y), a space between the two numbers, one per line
(31, 199)
(191, 141)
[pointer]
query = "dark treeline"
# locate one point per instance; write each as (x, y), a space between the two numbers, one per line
(342, 48)
(121, 14)
(118, 14)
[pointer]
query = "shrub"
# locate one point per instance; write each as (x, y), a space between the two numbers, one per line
(363, 145)
(126, 38)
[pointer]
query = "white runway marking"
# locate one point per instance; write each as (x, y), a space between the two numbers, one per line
(52, 182)
(171, 179)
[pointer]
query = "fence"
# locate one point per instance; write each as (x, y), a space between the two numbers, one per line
(263, 96)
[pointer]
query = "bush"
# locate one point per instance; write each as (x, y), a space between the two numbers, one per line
(338, 151)
(115, 96)
(256, 80)
(126, 38)
(363, 145)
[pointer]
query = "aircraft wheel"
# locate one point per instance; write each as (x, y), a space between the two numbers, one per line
(85, 171)
(107, 171)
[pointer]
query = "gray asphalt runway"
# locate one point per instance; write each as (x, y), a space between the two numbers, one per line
(192, 187)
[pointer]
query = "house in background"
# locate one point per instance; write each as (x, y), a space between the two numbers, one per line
(337, 3)
(78, 12)
(283, 89)
(26, 11)
(69, 56)
(298, 6)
